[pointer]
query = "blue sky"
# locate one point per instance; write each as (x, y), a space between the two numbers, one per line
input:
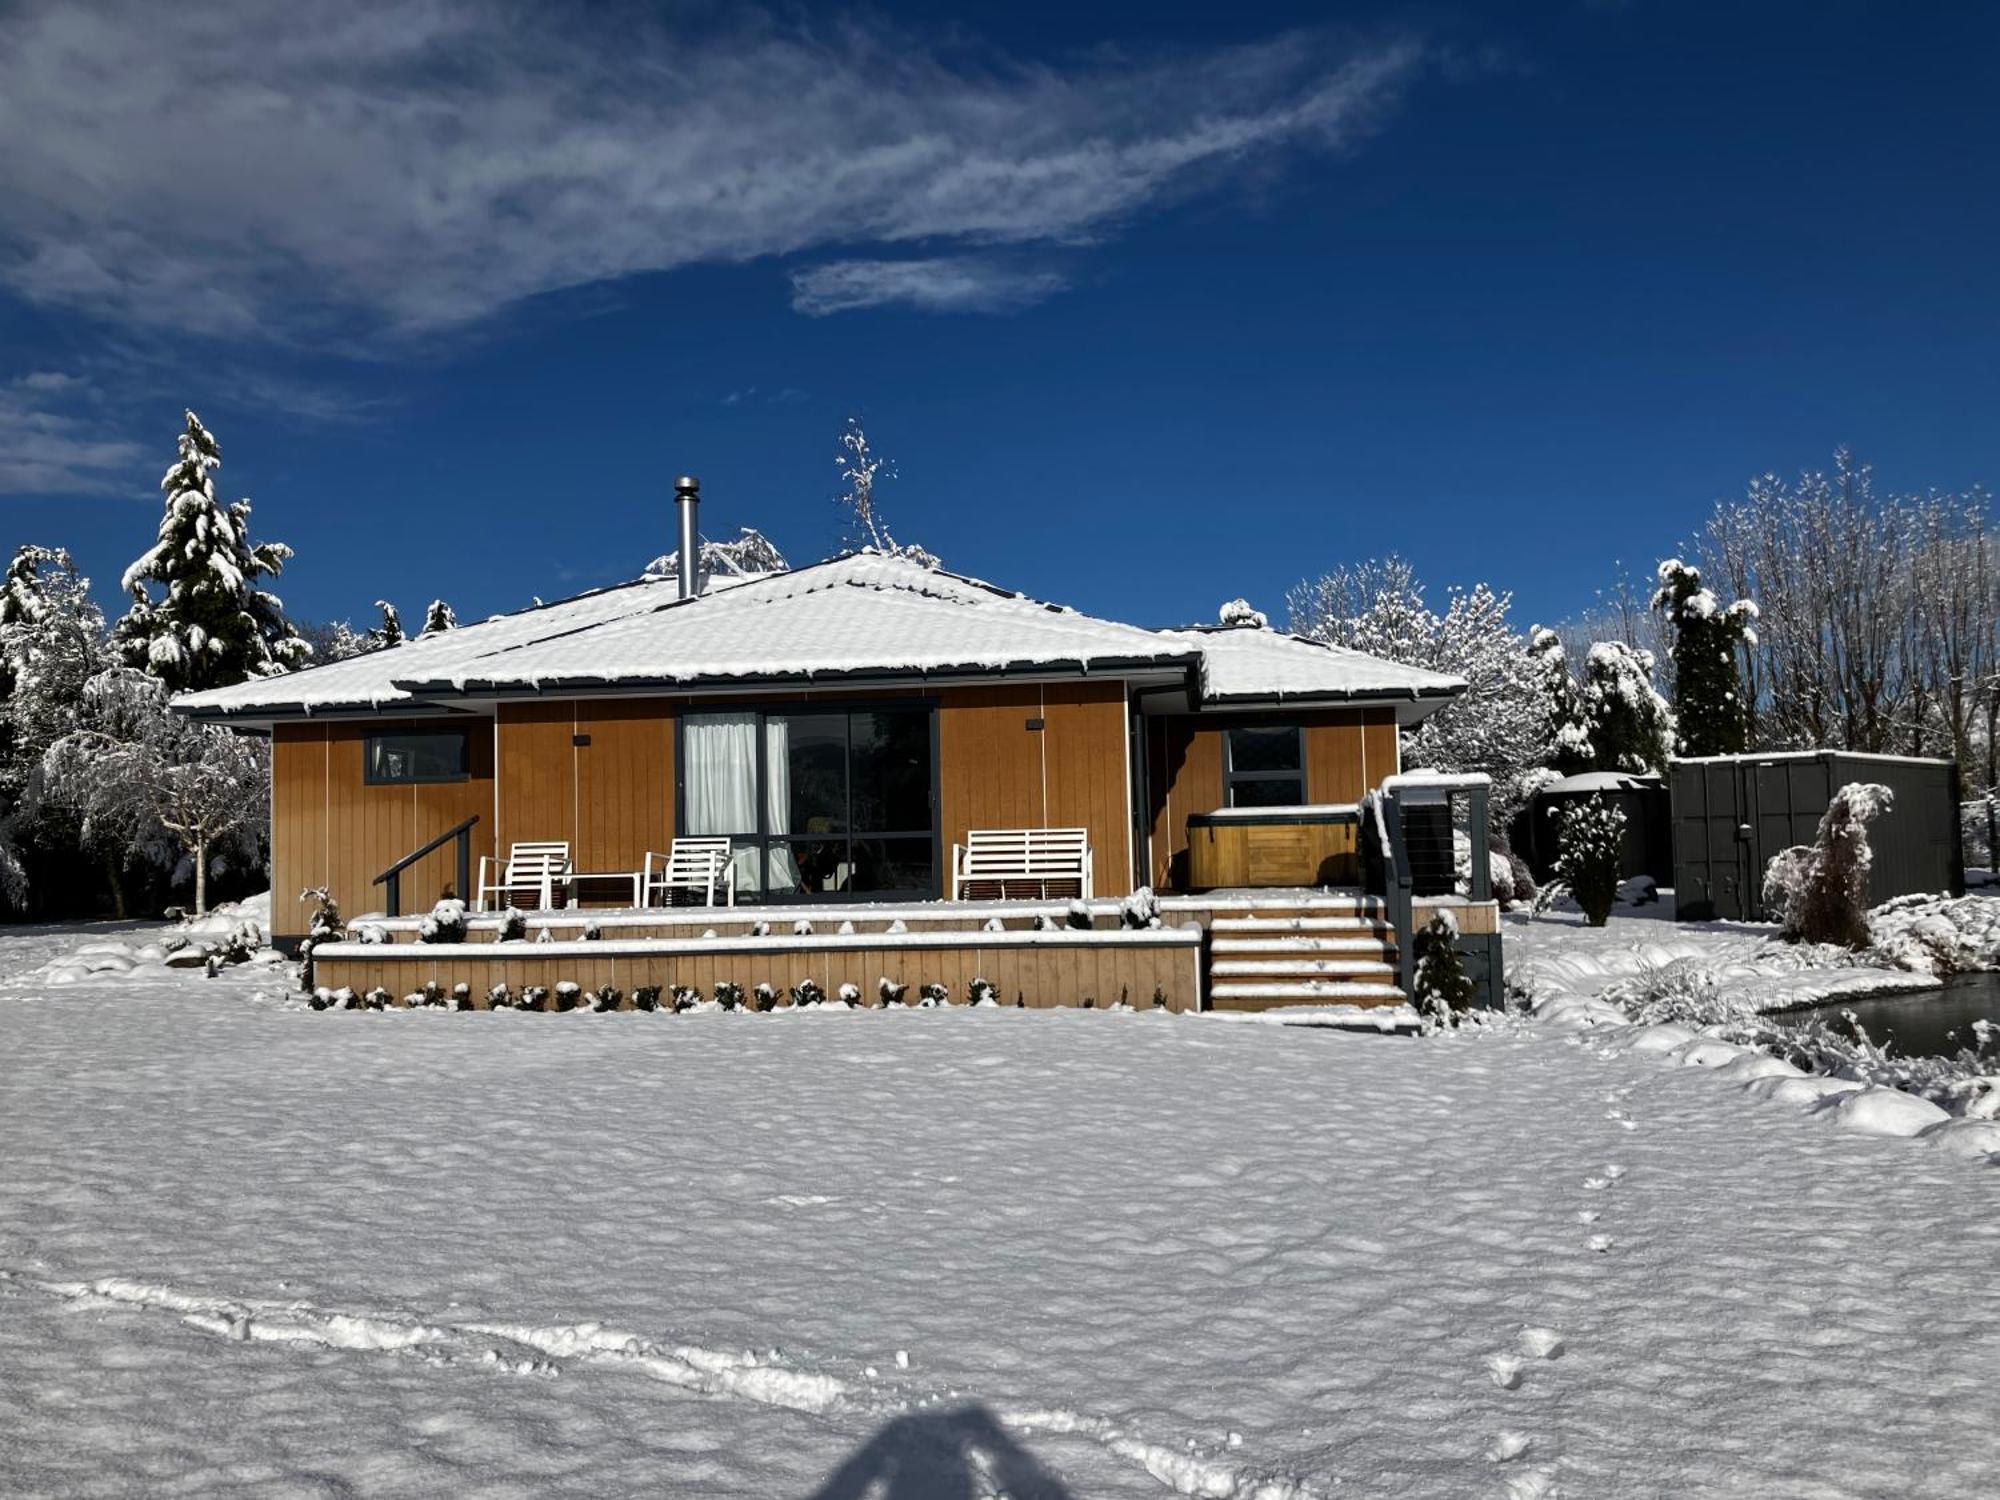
(1152, 304)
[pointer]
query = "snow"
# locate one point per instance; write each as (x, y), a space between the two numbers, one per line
(246, 1246)
(860, 614)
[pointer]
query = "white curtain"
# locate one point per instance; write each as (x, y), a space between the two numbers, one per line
(720, 759)
(778, 802)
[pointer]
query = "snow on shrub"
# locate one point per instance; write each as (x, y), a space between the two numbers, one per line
(1140, 909)
(1238, 614)
(1588, 835)
(729, 994)
(324, 926)
(890, 991)
(934, 995)
(445, 924)
(765, 994)
(535, 997)
(980, 992)
(1821, 893)
(377, 998)
(806, 992)
(646, 997)
(850, 994)
(513, 925)
(686, 997)
(1442, 987)
(499, 998)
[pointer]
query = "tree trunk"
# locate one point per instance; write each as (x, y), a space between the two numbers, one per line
(114, 875)
(201, 877)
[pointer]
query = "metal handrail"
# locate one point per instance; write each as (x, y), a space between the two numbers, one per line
(393, 876)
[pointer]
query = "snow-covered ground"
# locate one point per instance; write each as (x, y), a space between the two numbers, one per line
(246, 1247)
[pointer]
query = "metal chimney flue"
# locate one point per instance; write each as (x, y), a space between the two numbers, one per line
(687, 500)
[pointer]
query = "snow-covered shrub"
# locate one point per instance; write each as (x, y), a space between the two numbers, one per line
(378, 998)
(1441, 986)
(605, 997)
(500, 998)
(369, 932)
(760, 928)
(1588, 836)
(729, 994)
(890, 991)
(1822, 892)
(993, 924)
(1685, 992)
(646, 997)
(803, 927)
(568, 992)
(461, 996)
(1709, 706)
(687, 997)
(1077, 915)
(1044, 922)
(513, 925)
(1140, 909)
(765, 996)
(850, 994)
(534, 997)
(935, 994)
(807, 992)
(1631, 727)
(323, 926)
(1238, 614)
(897, 926)
(980, 992)
(545, 934)
(445, 924)
(593, 931)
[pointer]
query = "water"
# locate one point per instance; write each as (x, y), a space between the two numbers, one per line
(1917, 1024)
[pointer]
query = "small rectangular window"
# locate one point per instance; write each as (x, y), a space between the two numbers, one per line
(412, 755)
(1264, 766)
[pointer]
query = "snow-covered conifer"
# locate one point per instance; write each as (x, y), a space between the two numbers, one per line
(1821, 891)
(1568, 730)
(1240, 612)
(1631, 727)
(439, 617)
(211, 625)
(1441, 987)
(1589, 836)
(390, 631)
(751, 555)
(1709, 707)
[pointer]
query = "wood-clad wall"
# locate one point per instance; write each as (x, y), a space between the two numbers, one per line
(1347, 752)
(328, 827)
(612, 798)
(1073, 772)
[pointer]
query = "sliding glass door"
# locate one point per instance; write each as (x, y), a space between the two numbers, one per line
(819, 804)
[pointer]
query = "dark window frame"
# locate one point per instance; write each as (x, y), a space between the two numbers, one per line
(763, 839)
(1232, 778)
(369, 742)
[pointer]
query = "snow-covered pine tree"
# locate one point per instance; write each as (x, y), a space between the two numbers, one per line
(1588, 837)
(333, 640)
(1709, 707)
(439, 617)
(1568, 728)
(750, 555)
(1631, 727)
(1241, 614)
(390, 631)
(211, 625)
(1440, 986)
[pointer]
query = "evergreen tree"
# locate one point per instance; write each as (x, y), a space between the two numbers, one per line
(1442, 987)
(390, 631)
(211, 625)
(1568, 728)
(1631, 727)
(1588, 839)
(439, 617)
(1713, 719)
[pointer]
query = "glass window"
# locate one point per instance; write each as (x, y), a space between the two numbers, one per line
(818, 804)
(415, 755)
(1264, 766)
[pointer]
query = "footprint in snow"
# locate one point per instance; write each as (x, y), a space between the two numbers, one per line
(1601, 1243)
(1508, 1446)
(1505, 1370)
(1541, 1343)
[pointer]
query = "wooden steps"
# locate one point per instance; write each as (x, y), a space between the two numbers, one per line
(1326, 954)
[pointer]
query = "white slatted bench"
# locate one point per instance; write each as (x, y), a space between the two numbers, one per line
(996, 863)
(694, 867)
(534, 870)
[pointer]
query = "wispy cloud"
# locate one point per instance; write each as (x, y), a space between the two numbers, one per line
(332, 172)
(961, 283)
(58, 445)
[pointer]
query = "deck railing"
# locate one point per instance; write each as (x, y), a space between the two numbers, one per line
(393, 876)
(1411, 823)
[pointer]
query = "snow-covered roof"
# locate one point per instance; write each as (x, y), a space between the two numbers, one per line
(865, 615)
(1241, 663)
(1603, 781)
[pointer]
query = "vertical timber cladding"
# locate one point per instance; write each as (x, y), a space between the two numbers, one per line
(1348, 751)
(597, 773)
(330, 828)
(1073, 772)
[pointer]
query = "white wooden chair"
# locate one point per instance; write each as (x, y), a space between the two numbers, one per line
(534, 870)
(692, 865)
(994, 863)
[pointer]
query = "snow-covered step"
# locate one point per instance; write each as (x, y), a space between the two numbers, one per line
(1248, 995)
(1279, 943)
(1297, 924)
(1304, 968)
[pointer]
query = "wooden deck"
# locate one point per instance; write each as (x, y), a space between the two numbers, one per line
(1227, 950)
